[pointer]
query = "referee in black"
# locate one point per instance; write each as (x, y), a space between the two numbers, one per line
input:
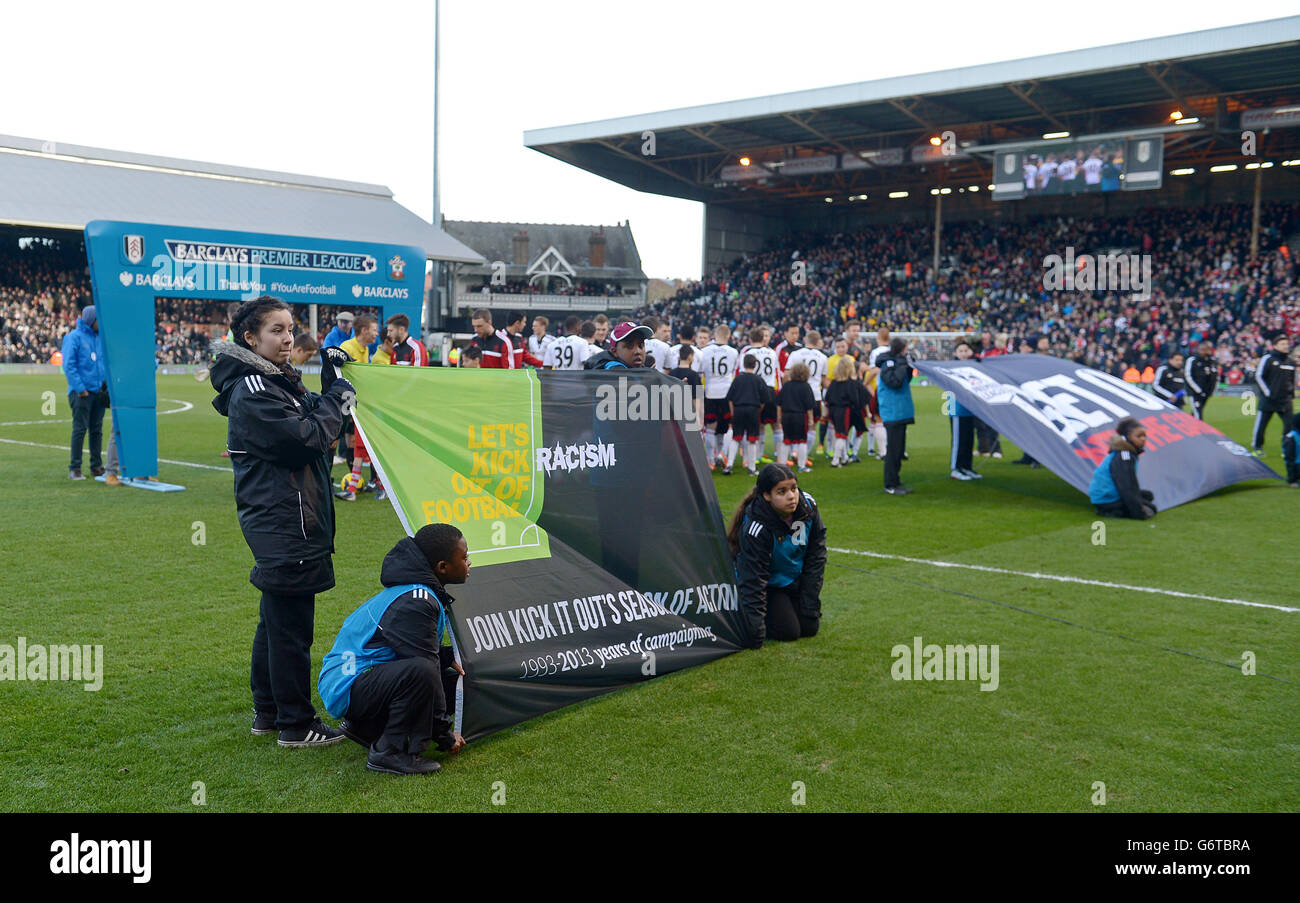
(1201, 373)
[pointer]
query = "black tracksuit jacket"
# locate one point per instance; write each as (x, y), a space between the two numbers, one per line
(1275, 376)
(279, 438)
(1202, 377)
(754, 562)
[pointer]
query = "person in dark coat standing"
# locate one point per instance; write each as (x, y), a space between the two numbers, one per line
(279, 437)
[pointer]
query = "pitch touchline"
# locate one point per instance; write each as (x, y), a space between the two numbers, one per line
(185, 406)
(1063, 579)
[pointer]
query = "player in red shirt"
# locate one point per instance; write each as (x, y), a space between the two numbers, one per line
(408, 351)
(498, 353)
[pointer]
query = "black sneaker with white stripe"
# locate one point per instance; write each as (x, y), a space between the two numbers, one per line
(316, 734)
(263, 724)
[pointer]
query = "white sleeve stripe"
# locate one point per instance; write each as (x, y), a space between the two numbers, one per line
(1259, 375)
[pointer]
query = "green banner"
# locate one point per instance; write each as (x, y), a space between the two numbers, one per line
(458, 447)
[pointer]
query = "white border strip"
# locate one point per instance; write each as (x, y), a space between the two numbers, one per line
(1063, 579)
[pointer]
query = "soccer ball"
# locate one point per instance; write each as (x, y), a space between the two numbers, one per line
(351, 482)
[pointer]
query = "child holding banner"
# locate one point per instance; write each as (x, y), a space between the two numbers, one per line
(779, 543)
(388, 671)
(1114, 489)
(279, 437)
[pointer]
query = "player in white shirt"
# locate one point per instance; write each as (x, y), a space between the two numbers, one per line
(717, 363)
(702, 339)
(767, 371)
(882, 346)
(1047, 175)
(540, 340)
(811, 356)
(569, 352)
(1031, 174)
(657, 345)
(1066, 173)
(1092, 171)
(683, 338)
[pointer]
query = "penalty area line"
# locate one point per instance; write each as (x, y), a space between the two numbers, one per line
(1061, 578)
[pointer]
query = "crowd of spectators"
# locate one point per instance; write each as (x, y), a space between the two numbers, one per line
(41, 295)
(991, 279)
(583, 287)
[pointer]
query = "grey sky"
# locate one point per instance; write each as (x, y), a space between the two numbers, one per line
(344, 90)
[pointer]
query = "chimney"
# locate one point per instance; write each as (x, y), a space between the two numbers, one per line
(596, 248)
(521, 248)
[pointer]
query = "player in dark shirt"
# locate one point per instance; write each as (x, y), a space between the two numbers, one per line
(689, 375)
(747, 395)
(794, 407)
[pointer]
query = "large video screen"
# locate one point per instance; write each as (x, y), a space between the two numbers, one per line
(1063, 168)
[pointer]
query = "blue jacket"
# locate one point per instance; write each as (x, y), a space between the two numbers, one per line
(418, 603)
(335, 338)
(893, 392)
(1115, 480)
(83, 359)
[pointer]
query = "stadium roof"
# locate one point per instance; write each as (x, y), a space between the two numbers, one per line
(497, 241)
(1212, 75)
(66, 186)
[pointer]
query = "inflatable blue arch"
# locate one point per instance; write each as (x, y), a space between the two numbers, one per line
(133, 264)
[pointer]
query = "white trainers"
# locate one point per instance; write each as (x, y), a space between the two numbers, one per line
(959, 475)
(970, 474)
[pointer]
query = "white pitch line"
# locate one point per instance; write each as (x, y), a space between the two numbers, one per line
(1064, 579)
(185, 406)
(160, 460)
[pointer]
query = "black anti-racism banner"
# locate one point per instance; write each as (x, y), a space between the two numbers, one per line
(597, 547)
(1063, 415)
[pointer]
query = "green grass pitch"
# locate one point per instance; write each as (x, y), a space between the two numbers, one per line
(1141, 691)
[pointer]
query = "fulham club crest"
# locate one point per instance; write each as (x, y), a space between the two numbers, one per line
(396, 267)
(133, 248)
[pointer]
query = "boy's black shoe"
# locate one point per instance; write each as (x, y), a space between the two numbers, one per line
(263, 724)
(394, 762)
(349, 730)
(315, 734)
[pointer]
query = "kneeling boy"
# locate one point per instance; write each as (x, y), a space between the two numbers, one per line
(388, 673)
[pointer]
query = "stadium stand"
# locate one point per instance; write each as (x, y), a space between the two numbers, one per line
(991, 280)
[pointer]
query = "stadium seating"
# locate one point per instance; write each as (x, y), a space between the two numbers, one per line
(991, 279)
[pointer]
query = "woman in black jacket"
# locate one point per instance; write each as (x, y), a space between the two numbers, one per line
(279, 437)
(779, 544)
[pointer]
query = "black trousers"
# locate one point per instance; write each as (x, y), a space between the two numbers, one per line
(895, 445)
(784, 621)
(87, 416)
(1262, 418)
(281, 670)
(395, 702)
(1117, 509)
(1198, 407)
(988, 438)
(963, 443)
